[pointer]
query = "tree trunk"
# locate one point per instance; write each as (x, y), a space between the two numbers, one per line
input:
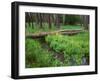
(57, 21)
(49, 20)
(40, 20)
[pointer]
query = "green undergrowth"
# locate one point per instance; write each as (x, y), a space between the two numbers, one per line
(75, 47)
(45, 28)
(36, 56)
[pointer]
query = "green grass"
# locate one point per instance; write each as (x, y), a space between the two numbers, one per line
(45, 28)
(38, 30)
(71, 27)
(72, 47)
(36, 56)
(75, 46)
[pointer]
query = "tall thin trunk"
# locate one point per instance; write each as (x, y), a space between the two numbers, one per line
(57, 21)
(40, 20)
(49, 20)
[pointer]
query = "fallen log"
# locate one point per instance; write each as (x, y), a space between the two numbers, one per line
(43, 34)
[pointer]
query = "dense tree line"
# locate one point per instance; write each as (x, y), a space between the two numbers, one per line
(40, 19)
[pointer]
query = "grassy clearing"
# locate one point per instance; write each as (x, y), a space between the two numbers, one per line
(71, 27)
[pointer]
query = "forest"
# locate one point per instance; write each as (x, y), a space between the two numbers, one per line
(54, 40)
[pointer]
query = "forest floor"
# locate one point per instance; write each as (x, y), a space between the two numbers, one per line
(39, 53)
(46, 29)
(56, 55)
(59, 56)
(63, 32)
(40, 32)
